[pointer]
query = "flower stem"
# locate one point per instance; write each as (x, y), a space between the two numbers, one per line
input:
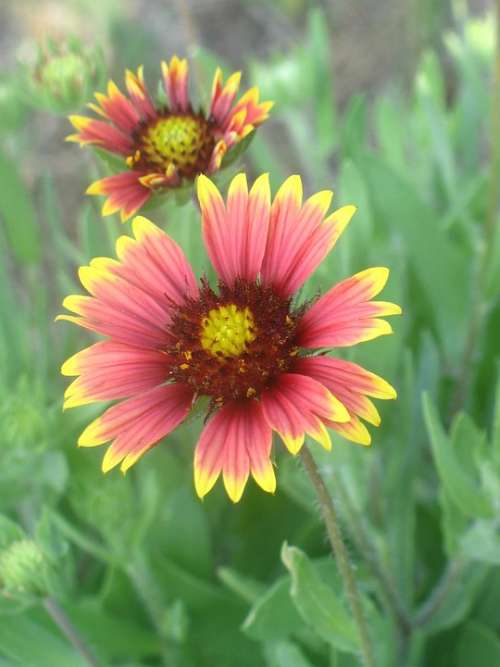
(58, 615)
(340, 552)
(365, 545)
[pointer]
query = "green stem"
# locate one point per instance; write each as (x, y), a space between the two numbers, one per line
(340, 552)
(364, 544)
(439, 594)
(58, 615)
(148, 591)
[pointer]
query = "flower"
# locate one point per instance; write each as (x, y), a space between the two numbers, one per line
(165, 146)
(247, 345)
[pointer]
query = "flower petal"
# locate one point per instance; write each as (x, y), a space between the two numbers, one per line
(119, 109)
(133, 297)
(123, 326)
(125, 193)
(298, 404)
(235, 237)
(345, 315)
(351, 384)
(299, 236)
(155, 263)
(137, 424)
(175, 81)
(139, 93)
(223, 95)
(236, 440)
(255, 112)
(92, 131)
(110, 371)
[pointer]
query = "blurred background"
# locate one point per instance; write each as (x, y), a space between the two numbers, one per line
(392, 105)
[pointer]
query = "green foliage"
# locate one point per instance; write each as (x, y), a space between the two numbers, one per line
(149, 575)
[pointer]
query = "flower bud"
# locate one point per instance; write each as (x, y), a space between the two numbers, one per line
(23, 568)
(63, 75)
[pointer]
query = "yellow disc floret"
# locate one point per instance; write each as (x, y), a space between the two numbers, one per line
(227, 330)
(177, 139)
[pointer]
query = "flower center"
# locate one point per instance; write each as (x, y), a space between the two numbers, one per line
(232, 345)
(227, 330)
(184, 140)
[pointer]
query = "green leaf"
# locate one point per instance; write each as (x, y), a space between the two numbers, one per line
(24, 640)
(186, 533)
(9, 532)
(477, 646)
(117, 636)
(391, 131)
(482, 542)
(413, 228)
(273, 616)
(319, 605)
(461, 488)
(49, 537)
(237, 151)
(18, 213)
(461, 597)
(496, 424)
(354, 126)
(285, 654)
(320, 71)
(246, 588)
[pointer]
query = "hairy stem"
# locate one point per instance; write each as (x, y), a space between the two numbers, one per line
(366, 547)
(58, 615)
(340, 552)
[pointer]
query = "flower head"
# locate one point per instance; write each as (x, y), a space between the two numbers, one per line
(246, 345)
(163, 146)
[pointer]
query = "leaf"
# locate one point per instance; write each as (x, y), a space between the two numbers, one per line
(284, 654)
(482, 542)
(353, 251)
(320, 70)
(458, 483)
(9, 532)
(117, 636)
(354, 126)
(246, 588)
(273, 616)
(439, 262)
(496, 423)
(18, 213)
(33, 646)
(237, 151)
(186, 533)
(459, 600)
(49, 537)
(477, 646)
(319, 605)
(391, 131)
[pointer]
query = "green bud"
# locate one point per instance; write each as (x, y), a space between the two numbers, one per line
(63, 76)
(23, 569)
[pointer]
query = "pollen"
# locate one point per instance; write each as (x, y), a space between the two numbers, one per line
(183, 140)
(227, 330)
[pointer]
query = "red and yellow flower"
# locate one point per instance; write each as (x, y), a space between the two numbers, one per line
(163, 146)
(247, 346)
